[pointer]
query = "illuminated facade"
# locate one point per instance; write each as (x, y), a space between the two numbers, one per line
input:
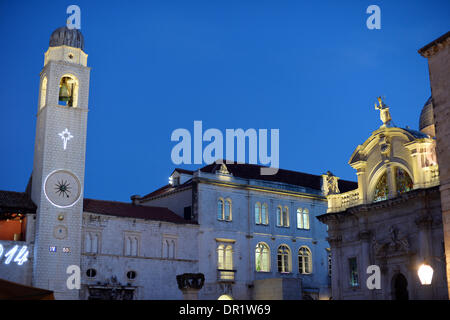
(392, 219)
(252, 236)
(258, 236)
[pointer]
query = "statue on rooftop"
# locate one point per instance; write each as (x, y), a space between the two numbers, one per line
(385, 115)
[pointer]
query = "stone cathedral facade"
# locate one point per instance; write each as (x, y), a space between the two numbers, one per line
(251, 236)
(393, 218)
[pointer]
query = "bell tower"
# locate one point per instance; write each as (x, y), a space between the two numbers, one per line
(59, 161)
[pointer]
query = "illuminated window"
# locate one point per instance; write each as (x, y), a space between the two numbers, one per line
(302, 218)
(403, 181)
(225, 262)
(68, 91)
(224, 209)
(258, 213)
(353, 268)
(220, 209)
(282, 216)
(264, 214)
(227, 210)
(284, 259)
(279, 218)
(381, 188)
(285, 217)
(304, 260)
(262, 257)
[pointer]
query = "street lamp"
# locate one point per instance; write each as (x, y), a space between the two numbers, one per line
(425, 273)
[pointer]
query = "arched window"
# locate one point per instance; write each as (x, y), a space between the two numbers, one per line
(403, 181)
(258, 213)
(128, 246)
(173, 247)
(284, 259)
(227, 210)
(304, 260)
(68, 91)
(43, 92)
(224, 209)
(262, 257)
(95, 243)
(381, 189)
(299, 218)
(87, 242)
(134, 246)
(166, 249)
(279, 217)
(264, 214)
(220, 209)
(306, 219)
(285, 219)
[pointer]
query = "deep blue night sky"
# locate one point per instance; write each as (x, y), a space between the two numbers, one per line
(310, 68)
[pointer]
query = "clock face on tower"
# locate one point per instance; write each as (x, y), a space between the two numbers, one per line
(62, 188)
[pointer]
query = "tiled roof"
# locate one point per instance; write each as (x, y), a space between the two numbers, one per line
(253, 171)
(128, 210)
(20, 201)
(166, 189)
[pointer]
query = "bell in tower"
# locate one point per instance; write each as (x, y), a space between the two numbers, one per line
(66, 91)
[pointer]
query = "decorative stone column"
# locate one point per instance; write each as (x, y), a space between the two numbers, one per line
(335, 242)
(190, 284)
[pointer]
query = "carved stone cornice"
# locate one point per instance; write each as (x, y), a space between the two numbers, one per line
(435, 46)
(334, 240)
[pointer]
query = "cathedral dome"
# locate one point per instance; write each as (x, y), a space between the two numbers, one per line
(66, 37)
(426, 122)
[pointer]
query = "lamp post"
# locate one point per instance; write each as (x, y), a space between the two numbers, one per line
(425, 273)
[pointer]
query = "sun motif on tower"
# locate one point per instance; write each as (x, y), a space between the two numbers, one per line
(62, 188)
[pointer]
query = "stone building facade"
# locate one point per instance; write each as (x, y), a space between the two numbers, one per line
(392, 220)
(277, 247)
(438, 54)
(251, 236)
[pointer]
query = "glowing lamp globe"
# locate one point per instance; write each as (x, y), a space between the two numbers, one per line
(425, 274)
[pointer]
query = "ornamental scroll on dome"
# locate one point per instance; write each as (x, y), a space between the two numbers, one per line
(330, 184)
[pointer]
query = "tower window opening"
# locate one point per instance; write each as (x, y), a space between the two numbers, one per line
(68, 91)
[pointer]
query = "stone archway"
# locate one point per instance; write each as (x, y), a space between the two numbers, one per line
(399, 287)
